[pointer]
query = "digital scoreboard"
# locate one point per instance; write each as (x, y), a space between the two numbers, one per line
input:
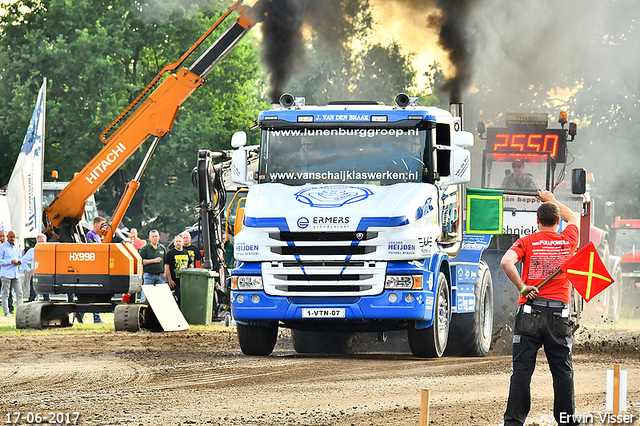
(529, 140)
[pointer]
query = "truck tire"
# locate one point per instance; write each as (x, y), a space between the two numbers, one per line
(472, 332)
(431, 342)
(257, 340)
(322, 342)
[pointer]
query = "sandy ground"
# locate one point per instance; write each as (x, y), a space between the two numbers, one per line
(201, 378)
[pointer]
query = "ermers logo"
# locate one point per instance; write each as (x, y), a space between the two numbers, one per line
(82, 257)
(303, 222)
(332, 196)
(331, 220)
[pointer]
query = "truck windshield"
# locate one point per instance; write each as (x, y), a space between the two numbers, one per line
(627, 241)
(343, 155)
(515, 173)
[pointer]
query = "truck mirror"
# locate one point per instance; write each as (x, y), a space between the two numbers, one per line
(463, 139)
(578, 181)
(609, 209)
(460, 166)
(481, 128)
(239, 139)
(239, 167)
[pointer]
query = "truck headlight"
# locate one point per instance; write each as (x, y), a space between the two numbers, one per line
(403, 282)
(248, 282)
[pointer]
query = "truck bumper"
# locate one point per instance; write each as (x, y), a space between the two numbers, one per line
(390, 305)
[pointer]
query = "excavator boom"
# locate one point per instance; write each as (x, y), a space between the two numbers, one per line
(153, 117)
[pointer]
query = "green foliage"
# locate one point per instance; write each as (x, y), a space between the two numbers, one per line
(97, 56)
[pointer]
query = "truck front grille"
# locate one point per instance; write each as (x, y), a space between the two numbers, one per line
(323, 278)
(323, 289)
(323, 236)
(322, 250)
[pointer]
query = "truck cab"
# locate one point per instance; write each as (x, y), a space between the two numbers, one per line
(352, 223)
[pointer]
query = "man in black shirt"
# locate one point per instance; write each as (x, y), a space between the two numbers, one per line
(176, 259)
(194, 253)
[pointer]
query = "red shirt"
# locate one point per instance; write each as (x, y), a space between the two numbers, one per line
(138, 243)
(542, 253)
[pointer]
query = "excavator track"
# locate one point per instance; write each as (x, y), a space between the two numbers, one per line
(34, 315)
(128, 317)
(134, 317)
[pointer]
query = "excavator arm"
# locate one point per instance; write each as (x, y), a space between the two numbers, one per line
(153, 116)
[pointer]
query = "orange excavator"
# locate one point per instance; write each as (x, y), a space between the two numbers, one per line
(97, 272)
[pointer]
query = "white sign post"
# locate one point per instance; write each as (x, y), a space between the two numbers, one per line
(616, 390)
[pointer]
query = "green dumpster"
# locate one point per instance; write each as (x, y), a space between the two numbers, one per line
(196, 295)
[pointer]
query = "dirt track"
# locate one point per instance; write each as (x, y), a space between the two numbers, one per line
(201, 378)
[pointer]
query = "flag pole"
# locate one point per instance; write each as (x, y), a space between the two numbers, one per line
(39, 226)
(546, 280)
(530, 193)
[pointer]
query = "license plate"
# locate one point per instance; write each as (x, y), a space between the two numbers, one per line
(323, 313)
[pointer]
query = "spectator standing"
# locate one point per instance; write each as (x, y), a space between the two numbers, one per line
(542, 316)
(93, 236)
(177, 259)
(137, 242)
(3, 238)
(10, 261)
(194, 253)
(153, 255)
(27, 265)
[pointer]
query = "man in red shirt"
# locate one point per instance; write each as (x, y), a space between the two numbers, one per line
(542, 316)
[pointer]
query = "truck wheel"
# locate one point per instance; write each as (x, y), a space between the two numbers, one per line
(257, 340)
(473, 331)
(322, 342)
(431, 342)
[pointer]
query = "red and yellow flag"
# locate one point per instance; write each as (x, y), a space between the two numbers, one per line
(587, 273)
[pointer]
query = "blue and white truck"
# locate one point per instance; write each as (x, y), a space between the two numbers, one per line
(354, 223)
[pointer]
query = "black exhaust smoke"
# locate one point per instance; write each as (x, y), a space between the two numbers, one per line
(283, 43)
(282, 48)
(451, 20)
(454, 27)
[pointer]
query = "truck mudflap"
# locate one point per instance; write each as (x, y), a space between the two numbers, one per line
(390, 305)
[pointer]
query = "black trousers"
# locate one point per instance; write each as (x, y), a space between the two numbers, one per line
(538, 326)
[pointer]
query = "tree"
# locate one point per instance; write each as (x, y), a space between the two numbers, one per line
(98, 55)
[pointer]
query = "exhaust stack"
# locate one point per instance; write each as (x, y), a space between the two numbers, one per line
(455, 108)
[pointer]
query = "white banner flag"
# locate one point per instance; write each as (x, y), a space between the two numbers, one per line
(24, 192)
